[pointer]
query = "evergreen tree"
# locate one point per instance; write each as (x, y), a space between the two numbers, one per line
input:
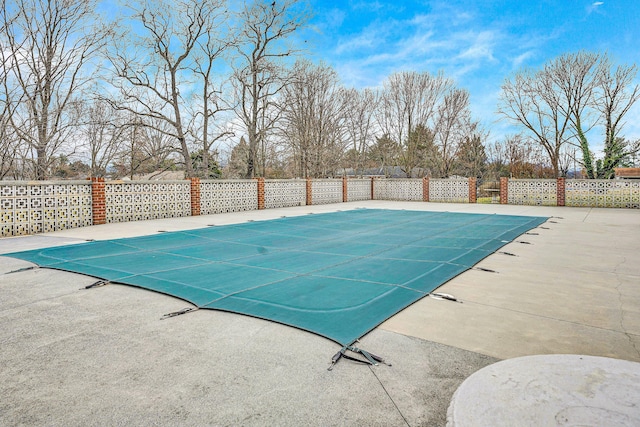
(238, 160)
(472, 158)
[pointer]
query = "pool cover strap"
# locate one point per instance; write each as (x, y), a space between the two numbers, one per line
(178, 313)
(369, 358)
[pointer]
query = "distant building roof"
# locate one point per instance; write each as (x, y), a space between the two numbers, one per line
(627, 173)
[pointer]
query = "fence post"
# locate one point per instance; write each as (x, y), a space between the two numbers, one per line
(560, 189)
(261, 198)
(504, 190)
(345, 189)
(309, 192)
(98, 201)
(425, 189)
(195, 196)
(372, 180)
(473, 191)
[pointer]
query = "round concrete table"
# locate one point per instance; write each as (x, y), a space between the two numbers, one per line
(549, 390)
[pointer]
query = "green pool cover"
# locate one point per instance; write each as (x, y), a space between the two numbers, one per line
(338, 275)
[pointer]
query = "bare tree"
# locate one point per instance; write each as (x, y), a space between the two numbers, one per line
(153, 69)
(453, 124)
(8, 143)
(46, 46)
(313, 118)
(531, 100)
(496, 160)
(143, 148)
(212, 46)
(103, 133)
(616, 97)
(571, 95)
(360, 124)
(410, 99)
(154, 136)
(258, 74)
(130, 159)
(522, 157)
(575, 78)
(8, 139)
(8, 146)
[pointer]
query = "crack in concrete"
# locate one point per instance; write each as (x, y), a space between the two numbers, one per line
(372, 370)
(542, 316)
(587, 215)
(621, 304)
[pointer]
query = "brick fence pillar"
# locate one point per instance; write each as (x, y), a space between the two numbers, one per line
(561, 191)
(261, 199)
(98, 201)
(372, 193)
(345, 189)
(195, 196)
(309, 192)
(473, 191)
(425, 189)
(504, 190)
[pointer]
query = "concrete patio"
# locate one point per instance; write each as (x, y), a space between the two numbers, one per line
(103, 357)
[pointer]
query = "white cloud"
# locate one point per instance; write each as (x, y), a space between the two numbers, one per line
(334, 18)
(594, 7)
(418, 43)
(367, 39)
(631, 128)
(521, 59)
(480, 46)
(366, 5)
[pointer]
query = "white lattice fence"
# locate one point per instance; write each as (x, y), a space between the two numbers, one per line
(281, 193)
(358, 189)
(140, 200)
(449, 190)
(37, 207)
(602, 193)
(325, 191)
(534, 192)
(397, 189)
(217, 196)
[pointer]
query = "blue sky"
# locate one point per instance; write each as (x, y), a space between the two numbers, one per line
(478, 43)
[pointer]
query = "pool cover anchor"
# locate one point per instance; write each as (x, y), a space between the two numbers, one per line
(442, 296)
(97, 284)
(20, 270)
(178, 313)
(369, 358)
(486, 270)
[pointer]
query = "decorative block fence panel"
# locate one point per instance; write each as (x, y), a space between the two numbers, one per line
(358, 189)
(449, 190)
(140, 200)
(41, 206)
(603, 193)
(326, 191)
(218, 196)
(398, 189)
(284, 193)
(535, 192)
